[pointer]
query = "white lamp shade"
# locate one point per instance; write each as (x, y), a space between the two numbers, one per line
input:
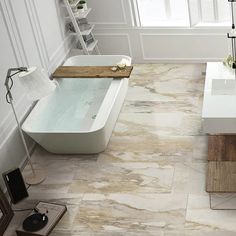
(36, 83)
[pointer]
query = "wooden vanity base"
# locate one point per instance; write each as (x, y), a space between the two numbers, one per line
(221, 173)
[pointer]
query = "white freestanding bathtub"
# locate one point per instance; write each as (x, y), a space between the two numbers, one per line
(80, 115)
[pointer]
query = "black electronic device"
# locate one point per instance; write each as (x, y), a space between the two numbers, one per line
(15, 185)
(35, 222)
(42, 220)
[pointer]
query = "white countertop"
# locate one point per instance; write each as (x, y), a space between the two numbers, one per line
(218, 106)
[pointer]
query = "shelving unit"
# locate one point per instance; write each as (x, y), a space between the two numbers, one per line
(93, 46)
(73, 17)
(83, 15)
(75, 4)
(85, 32)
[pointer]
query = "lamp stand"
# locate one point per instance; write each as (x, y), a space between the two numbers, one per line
(38, 175)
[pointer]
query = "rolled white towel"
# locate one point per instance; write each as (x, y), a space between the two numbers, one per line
(123, 63)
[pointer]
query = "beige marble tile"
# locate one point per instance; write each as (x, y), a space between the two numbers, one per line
(200, 217)
(200, 148)
(167, 83)
(42, 157)
(177, 87)
(161, 145)
(70, 232)
(166, 71)
(186, 106)
(139, 177)
(59, 173)
(213, 232)
(114, 156)
(108, 232)
(60, 198)
(190, 178)
(161, 124)
(140, 92)
(139, 124)
(180, 89)
(126, 213)
(66, 223)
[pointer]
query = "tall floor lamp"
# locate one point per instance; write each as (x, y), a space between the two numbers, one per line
(37, 85)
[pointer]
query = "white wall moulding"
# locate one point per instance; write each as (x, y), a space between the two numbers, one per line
(108, 40)
(25, 30)
(183, 47)
(50, 26)
(37, 33)
(60, 52)
(8, 124)
(110, 13)
(150, 45)
(13, 32)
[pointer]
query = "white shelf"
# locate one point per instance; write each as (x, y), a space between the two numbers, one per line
(80, 16)
(75, 4)
(74, 17)
(92, 45)
(83, 15)
(85, 32)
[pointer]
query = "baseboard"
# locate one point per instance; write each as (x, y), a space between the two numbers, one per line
(175, 60)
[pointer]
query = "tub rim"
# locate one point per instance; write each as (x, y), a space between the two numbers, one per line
(98, 127)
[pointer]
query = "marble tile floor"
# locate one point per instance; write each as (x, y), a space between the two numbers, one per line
(151, 178)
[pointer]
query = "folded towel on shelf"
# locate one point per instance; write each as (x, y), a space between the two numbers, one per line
(88, 42)
(82, 23)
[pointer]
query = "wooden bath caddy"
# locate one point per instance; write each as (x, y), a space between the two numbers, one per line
(91, 72)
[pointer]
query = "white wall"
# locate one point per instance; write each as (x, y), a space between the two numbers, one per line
(114, 29)
(32, 32)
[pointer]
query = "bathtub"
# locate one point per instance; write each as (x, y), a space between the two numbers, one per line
(79, 117)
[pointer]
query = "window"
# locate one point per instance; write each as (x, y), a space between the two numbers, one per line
(214, 11)
(163, 12)
(182, 12)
